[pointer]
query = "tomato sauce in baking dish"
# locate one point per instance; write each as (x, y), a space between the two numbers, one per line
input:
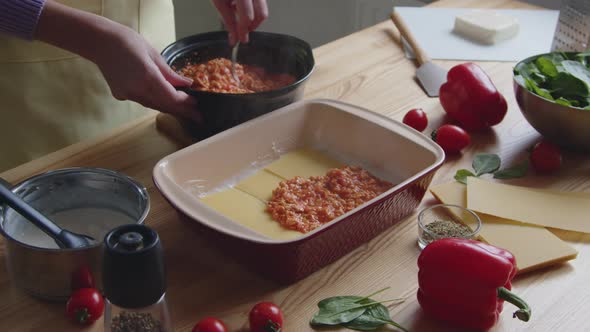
(304, 204)
(215, 76)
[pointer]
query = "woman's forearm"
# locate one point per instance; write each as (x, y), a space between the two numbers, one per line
(133, 69)
(75, 30)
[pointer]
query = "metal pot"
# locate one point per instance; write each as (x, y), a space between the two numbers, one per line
(566, 126)
(89, 201)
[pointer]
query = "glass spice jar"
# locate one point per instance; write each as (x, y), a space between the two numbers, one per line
(446, 220)
(134, 281)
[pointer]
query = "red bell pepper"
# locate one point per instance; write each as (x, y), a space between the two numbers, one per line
(465, 282)
(470, 97)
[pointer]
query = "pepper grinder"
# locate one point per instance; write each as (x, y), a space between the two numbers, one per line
(134, 281)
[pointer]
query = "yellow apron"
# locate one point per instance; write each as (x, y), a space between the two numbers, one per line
(51, 98)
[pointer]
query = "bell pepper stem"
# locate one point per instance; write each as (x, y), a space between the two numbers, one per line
(524, 311)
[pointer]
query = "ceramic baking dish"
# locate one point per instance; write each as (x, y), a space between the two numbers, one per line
(350, 134)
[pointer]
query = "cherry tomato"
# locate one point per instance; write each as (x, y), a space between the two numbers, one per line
(85, 306)
(416, 118)
(210, 324)
(545, 157)
(266, 317)
(451, 138)
(82, 278)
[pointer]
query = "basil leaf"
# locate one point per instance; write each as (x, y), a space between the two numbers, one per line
(462, 174)
(516, 171)
(375, 317)
(355, 312)
(370, 320)
(339, 309)
(485, 163)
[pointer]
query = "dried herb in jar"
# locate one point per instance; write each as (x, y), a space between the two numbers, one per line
(444, 229)
(135, 322)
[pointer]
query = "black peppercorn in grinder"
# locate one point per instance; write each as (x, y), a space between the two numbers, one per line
(134, 281)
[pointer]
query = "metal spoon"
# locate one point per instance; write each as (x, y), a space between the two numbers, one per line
(63, 238)
(234, 59)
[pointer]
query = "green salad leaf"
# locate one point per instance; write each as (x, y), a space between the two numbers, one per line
(560, 77)
(566, 85)
(546, 66)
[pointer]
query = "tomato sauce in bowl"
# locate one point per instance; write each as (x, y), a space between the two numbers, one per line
(305, 204)
(215, 76)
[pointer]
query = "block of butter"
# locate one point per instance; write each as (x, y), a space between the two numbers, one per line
(485, 26)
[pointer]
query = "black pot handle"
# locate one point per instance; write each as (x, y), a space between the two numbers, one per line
(183, 89)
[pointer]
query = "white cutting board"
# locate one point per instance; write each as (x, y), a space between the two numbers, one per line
(432, 28)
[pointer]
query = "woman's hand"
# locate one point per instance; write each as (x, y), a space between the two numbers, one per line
(241, 16)
(137, 72)
(133, 69)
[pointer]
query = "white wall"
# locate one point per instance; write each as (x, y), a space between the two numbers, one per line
(195, 16)
(315, 21)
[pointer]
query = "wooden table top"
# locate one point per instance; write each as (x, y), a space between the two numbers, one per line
(367, 68)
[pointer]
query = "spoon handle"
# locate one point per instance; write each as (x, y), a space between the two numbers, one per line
(234, 59)
(24, 209)
(404, 30)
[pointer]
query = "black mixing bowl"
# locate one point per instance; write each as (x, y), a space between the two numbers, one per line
(276, 53)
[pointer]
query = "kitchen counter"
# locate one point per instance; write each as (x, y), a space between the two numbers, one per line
(367, 68)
